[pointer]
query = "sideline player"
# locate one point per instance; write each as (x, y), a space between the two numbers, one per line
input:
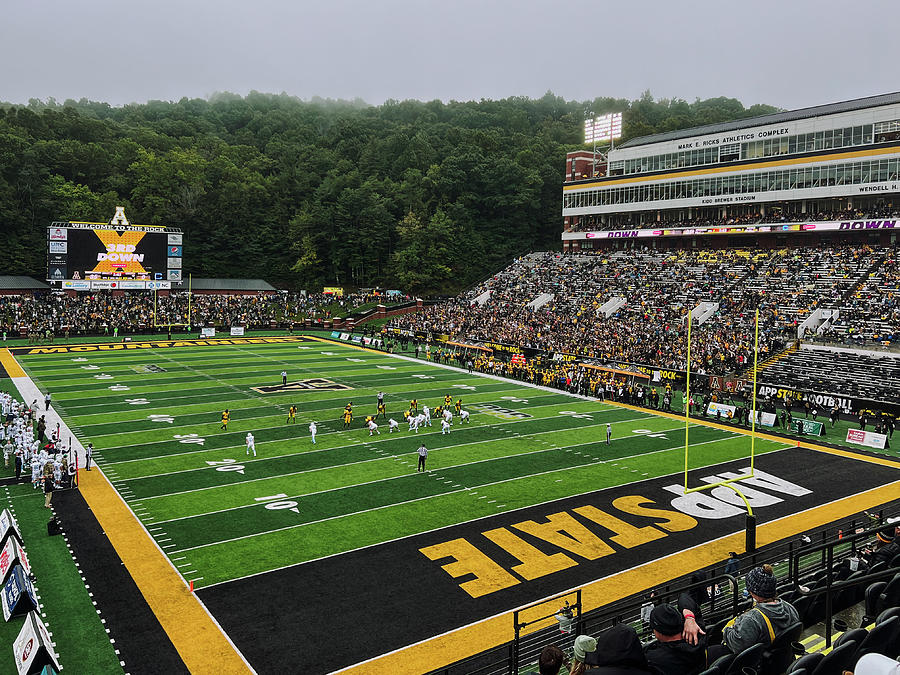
(226, 416)
(312, 431)
(251, 444)
(292, 415)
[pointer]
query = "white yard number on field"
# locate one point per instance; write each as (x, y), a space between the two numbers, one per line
(90, 367)
(226, 465)
(118, 387)
(386, 367)
(424, 377)
(513, 399)
(647, 432)
(467, 387)
(190, 438)
(329, 353)
(356, 360)
(80, 359)
(136, 401)
(102, 376)
(572, 413)
(161, 418)
(279, 505)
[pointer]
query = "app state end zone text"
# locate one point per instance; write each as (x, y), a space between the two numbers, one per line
(313, 384)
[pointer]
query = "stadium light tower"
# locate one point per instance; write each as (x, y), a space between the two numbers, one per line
(601, 129)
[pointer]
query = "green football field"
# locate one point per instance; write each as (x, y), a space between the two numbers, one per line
(154, 417)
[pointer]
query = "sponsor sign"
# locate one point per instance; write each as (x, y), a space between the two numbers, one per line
(853, 225)
(173, 275)
(333, 290)
(33, 648)
(58, 234)
(808, 427)
(345, 336)
(765, 419)
(867, 438)
(356, 338)
(11, 555)
(56, 273)
(159, 285)
(175, 239)
(237, 331)
(174, 252)
(820, 400)
(58, 246)
(335, 334)
(174, 263)
(129, 285)
(71, 285)
(725, 411)
(104, 285)
(313, 384)
(207, 332)
(18, 594)
(8, 527)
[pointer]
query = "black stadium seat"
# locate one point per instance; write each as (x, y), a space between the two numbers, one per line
(806, 663)
(777, 656)
(749, 658)
(837, 660)
(879, 638)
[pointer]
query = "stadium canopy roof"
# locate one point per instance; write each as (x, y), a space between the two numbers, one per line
(14, 283)
(223, 285)
(772, 118)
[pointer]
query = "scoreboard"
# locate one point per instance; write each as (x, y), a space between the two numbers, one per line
(114, 255)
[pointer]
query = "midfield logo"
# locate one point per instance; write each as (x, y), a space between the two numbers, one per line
(314, 384)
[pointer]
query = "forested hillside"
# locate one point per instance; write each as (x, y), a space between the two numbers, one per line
(427, 197)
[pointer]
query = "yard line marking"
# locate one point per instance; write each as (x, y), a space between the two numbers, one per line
(435, 529)
(365, 461)
(419, 499)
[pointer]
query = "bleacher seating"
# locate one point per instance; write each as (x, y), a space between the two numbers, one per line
(851, 374)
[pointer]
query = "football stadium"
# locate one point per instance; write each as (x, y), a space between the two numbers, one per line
(660, 443)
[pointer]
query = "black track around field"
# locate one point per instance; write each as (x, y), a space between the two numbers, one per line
(143, 645)
(352, 607)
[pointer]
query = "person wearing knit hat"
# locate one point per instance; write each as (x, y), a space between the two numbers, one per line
(876, 664)
(768, 617)
(618, 652)
(584, 645)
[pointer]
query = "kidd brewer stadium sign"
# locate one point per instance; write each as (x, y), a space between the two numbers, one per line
(848, 225)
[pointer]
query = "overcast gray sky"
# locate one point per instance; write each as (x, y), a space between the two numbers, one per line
(789, 53)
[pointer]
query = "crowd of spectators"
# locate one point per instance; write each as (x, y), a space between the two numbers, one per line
(631, 221)
(54, 315)
(657, 289)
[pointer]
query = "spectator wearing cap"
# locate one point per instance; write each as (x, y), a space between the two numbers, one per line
(877, 664)
(887, 546)
(584, 645)
(618, 652)
(768, 617)
(671, 653)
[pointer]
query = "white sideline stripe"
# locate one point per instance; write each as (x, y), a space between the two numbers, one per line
(405, 475)
(442, 494)
(364, 461)
(24, 384)
(443, 527)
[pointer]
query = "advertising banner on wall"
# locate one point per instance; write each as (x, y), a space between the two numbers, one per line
(867, 438)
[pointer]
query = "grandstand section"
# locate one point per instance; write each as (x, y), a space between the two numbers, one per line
(829, 168)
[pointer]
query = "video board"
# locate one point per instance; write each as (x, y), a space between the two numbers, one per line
(83, 256)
